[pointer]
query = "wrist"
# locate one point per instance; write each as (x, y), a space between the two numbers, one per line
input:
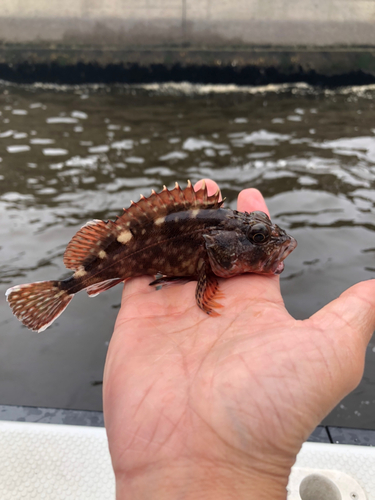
(188, 481)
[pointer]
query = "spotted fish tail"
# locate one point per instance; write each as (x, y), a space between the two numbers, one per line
(38, 304)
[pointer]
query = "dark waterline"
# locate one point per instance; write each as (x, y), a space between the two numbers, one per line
(71, 154)
(133, 73)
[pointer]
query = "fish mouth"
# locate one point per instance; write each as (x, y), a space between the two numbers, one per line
(278, 265)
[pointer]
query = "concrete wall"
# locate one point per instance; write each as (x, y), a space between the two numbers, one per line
(239, 41)
(209, 23)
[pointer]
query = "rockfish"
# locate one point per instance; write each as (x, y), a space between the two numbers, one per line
(178, 234)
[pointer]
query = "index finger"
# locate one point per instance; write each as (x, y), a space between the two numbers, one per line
(211, 185)
(251, 200)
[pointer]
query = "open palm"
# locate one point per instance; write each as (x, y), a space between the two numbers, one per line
(223, 404)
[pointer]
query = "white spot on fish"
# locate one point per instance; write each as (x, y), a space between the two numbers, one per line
(159, 221)
(195, 212)
(102, 254)
(80, 273)
(124, 237)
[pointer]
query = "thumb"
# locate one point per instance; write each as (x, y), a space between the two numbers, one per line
(345, 327)
(353, 313)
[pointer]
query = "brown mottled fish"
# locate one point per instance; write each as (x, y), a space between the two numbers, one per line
(180, 234)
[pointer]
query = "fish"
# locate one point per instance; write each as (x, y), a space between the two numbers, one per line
(175, 235)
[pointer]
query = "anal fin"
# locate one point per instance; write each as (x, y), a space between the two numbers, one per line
(207, 291)
(94, 290)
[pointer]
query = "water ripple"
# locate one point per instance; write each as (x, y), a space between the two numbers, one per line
(76, 153)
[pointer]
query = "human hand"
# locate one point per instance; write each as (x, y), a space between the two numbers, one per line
(203, 407)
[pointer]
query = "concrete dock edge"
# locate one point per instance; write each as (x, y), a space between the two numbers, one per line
(322, 42)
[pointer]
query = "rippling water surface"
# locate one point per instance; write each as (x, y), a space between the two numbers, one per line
(73, 154)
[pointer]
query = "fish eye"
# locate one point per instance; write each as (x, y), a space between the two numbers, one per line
(259, 233)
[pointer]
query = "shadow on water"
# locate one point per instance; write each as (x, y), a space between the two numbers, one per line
(70, 154)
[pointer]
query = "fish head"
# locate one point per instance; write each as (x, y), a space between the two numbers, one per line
(270, 245)
(253, 245)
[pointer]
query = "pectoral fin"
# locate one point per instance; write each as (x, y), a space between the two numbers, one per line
(207, 291)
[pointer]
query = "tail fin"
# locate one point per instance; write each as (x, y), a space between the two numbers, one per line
(38, 304)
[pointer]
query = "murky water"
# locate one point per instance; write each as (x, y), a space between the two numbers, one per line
(73, 154)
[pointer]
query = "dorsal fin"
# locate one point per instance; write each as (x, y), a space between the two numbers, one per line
(97, 235)
(167, 202)
(83, 247)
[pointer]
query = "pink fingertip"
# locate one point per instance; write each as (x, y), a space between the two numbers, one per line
(251, 200)
(212, 187)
